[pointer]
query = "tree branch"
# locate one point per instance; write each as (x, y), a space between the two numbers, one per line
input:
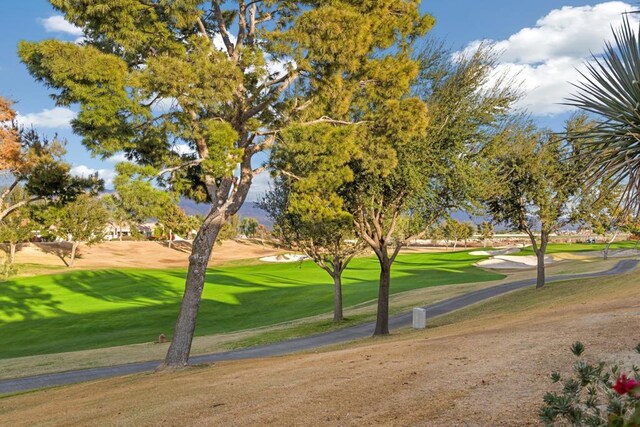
(223, 28)
(18, 205)
(182, 166)
(269, 98)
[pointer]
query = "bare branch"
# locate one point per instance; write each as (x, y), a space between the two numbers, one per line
(261, 169)
(182, 166)
(9, 189)
(270, 98)
(18, 205)
(223, 28)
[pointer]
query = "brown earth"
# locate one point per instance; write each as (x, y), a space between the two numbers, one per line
(486, 366)
(143, 254)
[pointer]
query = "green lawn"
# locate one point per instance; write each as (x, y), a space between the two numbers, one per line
(553, 248)
(93, 309)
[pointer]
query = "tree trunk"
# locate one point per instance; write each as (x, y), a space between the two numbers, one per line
(180, 347)
(337, 296)
(12, 253)
(541, 272)
(605, 253)
(120, 232)
(170, 237)
(382, 320)
(540, 253)
(74, 247)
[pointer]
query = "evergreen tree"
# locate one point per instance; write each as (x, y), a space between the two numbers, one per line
(150, 74)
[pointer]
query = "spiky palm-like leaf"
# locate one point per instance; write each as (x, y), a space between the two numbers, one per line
(610, 88)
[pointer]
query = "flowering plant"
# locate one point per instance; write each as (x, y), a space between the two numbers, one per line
(594, 395)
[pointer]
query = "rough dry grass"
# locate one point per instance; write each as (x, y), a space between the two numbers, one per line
(488, 365)
(144, 254)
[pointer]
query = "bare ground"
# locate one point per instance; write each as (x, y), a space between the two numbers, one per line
(491, 368)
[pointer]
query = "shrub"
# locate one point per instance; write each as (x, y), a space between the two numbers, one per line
(594, 395)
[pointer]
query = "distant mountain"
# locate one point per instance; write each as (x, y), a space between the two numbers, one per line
(248, 209)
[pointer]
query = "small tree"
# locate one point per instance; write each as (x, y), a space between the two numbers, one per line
(118, 214)
(81, 221)
(174, 220)
(536, 186)
(485, 229)
(455, 230)
(326, 236)
(600, 209)
(249, 226)
(34, 167)
(468, 231)
(229, 230)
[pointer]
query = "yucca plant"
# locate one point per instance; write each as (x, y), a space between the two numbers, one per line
(610, 89)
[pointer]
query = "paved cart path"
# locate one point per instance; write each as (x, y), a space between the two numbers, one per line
(298, 344)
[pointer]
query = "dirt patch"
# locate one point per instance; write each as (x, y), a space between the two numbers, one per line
(145, 254)
(489, 370)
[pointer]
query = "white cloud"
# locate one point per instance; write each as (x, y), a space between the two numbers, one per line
(259, 186)
(118, 158)
(84, 171)
(57, 24)
(182, 149)
(545, 58)
(56, 118)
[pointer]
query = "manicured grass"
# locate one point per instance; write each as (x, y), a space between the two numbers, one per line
(93, 309)
(553, 248)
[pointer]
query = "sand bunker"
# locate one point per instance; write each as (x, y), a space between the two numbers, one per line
(284, 258)
(507, 262)
(494, 252)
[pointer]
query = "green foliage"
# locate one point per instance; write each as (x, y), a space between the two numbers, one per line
(485, 229)
(609, 89)
(325, 235)
(82, 220)
(249, 226)
(600, 208)
(173, 218)
(535, 186)
(577, 348)
(593, 396)
(136, 194)
(229, 230)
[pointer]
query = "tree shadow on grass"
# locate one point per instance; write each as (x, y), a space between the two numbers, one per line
(244, 303)
(60, 249)
(120, 285)
(18, 301)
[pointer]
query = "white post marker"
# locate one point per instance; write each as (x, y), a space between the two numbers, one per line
(419, 318)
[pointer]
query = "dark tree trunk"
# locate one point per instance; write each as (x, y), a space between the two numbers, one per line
(337, 296)
(178, 353)
(382, 320)
(605, 252)
(540, 253)
(540, 280)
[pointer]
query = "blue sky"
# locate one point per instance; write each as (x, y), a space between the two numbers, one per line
(543, 42)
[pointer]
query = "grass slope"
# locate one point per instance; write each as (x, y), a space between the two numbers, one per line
(554, 248)
(93, 309)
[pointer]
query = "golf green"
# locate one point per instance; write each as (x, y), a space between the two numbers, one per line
(93, 309)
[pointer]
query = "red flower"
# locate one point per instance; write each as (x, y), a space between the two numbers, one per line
(624, 385)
